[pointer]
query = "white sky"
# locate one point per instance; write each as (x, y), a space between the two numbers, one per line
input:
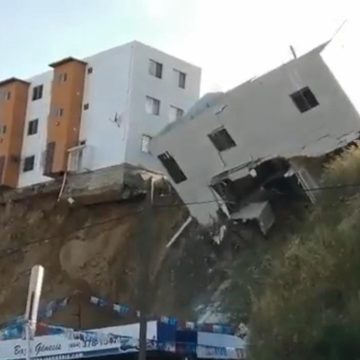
(232, 40)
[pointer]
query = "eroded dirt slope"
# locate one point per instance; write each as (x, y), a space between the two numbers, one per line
(93, 249)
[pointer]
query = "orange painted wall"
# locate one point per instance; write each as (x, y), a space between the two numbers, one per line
(67, 95)
(12, 115)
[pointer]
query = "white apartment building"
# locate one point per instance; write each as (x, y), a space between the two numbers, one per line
(92, 113)
(237, 141)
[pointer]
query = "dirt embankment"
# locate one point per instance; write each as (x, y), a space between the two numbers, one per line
(93, 249)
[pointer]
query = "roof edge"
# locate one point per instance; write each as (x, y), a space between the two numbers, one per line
(66, 60)
(13, 79)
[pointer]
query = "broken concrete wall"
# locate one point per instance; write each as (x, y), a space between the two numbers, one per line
(108, 184)
(92, 249)
(264, 123)
(115, 182)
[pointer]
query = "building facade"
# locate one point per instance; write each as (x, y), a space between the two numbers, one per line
(92, 113)
(258, 132)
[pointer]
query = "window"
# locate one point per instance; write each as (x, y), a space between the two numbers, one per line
(90, 70)
(49, 157)
(5, 95)
(175, 113)
(304, 99)
(181, 78)
(3, 129)
(221, 139)
(172, 167)
(145, 142)
(37, 92)
(152, 106)
(33, 127)
(57, 112)
(2, 166)
(29, 163)
(155, 69)
(86, 106)
(62, 77)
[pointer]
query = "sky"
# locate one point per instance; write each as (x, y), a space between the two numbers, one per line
(231, 40)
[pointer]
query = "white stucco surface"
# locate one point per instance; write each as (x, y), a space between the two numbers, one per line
(107, 94)
(264, 123)
(165, 89)
(36, 144)
(115, 120)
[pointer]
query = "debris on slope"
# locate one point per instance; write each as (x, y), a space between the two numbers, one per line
(88, 248)
(91, 249)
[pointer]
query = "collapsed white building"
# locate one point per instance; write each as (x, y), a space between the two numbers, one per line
(231, 149)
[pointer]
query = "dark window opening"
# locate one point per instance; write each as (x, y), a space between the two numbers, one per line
(37, 92)
(3, 129)
(155, 69)
(2, 167)
(62, 77)
(33, 127)
(172, 167)
(86, 106)
(29, 163)
(5, 95)
(57, 112)
(221, 139)
(90, 70)
(49, 158)
(304, 99)
(181, 78)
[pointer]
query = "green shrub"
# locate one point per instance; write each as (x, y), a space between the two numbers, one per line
(309, 303)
